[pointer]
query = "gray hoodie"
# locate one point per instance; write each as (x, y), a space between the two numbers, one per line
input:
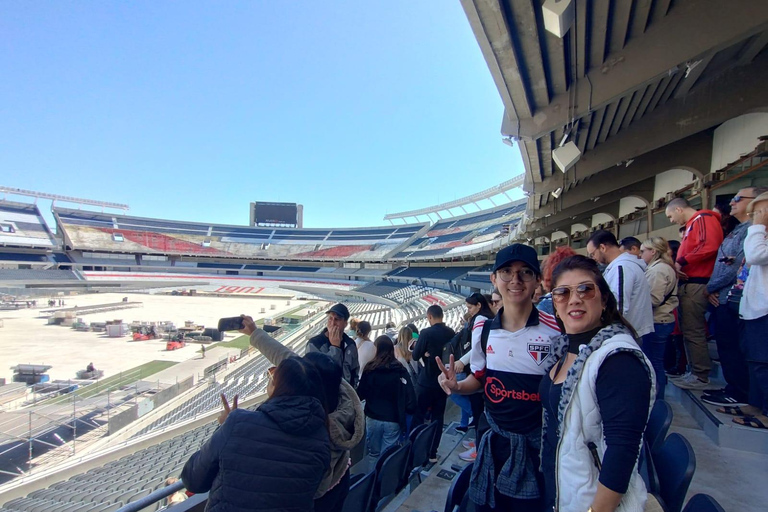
(626, 279)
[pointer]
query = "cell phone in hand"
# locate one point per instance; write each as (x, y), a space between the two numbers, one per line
(234, 323)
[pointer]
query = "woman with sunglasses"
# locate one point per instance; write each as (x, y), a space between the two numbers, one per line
(346, 421)
(389, 397)
(596, 399)
(275, 456)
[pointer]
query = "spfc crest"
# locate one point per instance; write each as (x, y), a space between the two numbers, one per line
(539, 352)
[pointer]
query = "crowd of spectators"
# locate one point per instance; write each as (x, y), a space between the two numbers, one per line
(556, 372)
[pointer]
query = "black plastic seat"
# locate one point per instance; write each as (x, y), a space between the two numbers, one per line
(458, 490)
(360, 492)
(675, 464)
(390, 471)
(658, 425)
(421, 441)
(703, 503)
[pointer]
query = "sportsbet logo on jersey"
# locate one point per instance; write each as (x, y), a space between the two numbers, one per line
(496, 392)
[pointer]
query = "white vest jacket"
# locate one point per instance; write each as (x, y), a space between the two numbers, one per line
(575, 470)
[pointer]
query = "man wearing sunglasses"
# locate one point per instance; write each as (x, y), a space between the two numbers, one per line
(695, 262)
(625, 275)
(727, 321)
(510, 354)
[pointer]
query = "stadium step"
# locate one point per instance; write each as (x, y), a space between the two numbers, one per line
(719, 427)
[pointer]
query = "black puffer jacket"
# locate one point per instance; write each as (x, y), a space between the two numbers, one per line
(271, 459)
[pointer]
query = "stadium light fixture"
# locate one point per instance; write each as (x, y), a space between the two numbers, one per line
(556, 193)
(508, 141)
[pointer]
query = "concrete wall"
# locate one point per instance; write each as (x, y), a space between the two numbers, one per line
(627, 205)
(671, 180)
(737, 137)
(125, 418)
(600, 218)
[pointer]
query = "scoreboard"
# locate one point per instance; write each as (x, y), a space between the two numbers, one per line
(287, 215)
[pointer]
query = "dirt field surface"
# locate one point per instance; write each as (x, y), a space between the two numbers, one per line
(25, 337)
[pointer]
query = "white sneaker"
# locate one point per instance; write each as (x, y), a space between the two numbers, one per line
(679, 377)
(469, 443)
(690, 381)
(469, 455)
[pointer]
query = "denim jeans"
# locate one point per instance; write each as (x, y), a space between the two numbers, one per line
(463, 402)
(654, 346)
(379, 436)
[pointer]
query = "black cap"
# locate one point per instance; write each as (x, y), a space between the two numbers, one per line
(341, 310)
(518, 252)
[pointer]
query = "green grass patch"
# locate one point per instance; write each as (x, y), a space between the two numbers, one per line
(240, 342)
(118, 380)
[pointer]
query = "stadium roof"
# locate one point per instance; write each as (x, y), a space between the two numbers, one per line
(627, 78)
(66, 199)
(445, 208)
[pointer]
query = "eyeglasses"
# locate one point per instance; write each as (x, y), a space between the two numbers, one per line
(525, 275)
(585, 291)
(270, 373)
(736, 199)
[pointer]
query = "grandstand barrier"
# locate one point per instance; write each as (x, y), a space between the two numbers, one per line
(195, 503)
(147, 405)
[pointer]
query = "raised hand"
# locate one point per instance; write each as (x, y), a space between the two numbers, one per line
(447, 378)
(334, 335)
(227, 409)
(248, 325)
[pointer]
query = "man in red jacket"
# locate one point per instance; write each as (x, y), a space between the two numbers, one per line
(702, 237)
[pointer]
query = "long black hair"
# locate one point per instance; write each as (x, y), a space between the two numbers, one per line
(330, 376)
(297, 377)
(485, 308)
(611, 314)
(385, 354)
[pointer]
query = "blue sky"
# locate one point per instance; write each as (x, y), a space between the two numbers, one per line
(191, 110)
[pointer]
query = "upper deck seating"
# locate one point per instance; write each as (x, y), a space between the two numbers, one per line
(92, 231)
(463, 234)
(36, 275)
(22, 225)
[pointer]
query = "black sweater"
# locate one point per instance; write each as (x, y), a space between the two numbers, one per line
(388, 393)
(431, 341)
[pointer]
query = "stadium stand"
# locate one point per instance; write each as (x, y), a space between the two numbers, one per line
(91, 231)
(453, 237)
(22, 225)
(37, 275)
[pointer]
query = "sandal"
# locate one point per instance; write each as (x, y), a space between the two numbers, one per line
(732, 410)
(750, 421)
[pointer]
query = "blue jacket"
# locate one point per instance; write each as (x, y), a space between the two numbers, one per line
(724, 274)
(270, 459)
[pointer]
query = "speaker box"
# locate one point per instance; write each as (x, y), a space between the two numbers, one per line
(566, 156)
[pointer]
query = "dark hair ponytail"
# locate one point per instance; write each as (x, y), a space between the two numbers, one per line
(485, 308)
(611, 314)
(298, 377)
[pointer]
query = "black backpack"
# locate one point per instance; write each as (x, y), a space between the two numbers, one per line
(459, 345)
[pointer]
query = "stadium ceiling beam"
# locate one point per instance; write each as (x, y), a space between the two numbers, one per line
(738, 91)
(693, 153)
(691, 30)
